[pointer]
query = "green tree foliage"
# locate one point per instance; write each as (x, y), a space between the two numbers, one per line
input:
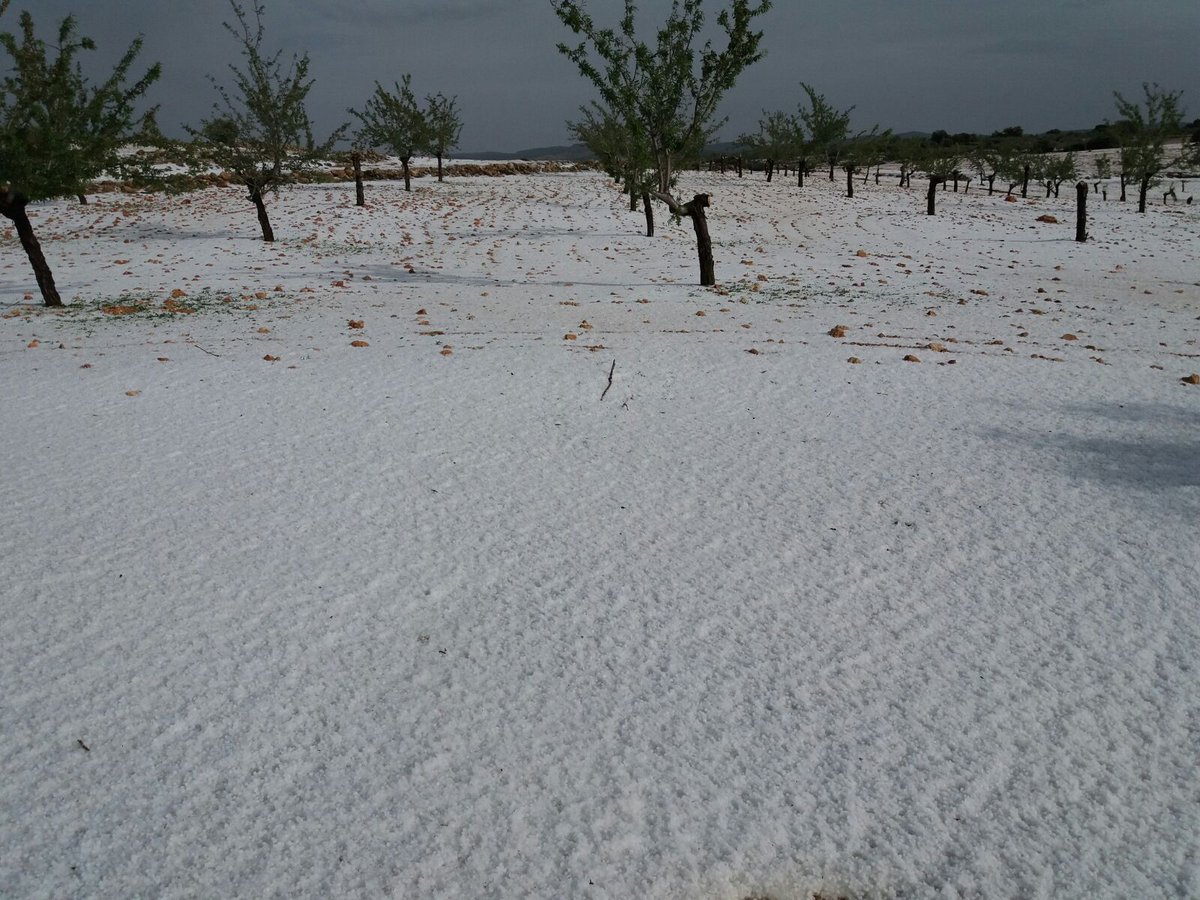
(1145, 129)
(622, 150)
(986, 162)
(670, 87)
(667, 90)
(778, 139)
(861, 151)
(828, 128)
(941, 164)
(59, 131)
(443, 125)
(395, 121)
(260, 131)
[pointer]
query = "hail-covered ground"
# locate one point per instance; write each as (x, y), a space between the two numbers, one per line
(338, 566)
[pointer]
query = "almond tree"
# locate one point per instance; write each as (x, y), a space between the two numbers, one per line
(1103, 171)
(986, 163)
(861, 152)
(395, 121)
(443, 125)
(669, 87)
(57, 131)
(259, 131)
(622, 150)
(1145, 130)
(940, 165)
(827, 128)
(775, 140)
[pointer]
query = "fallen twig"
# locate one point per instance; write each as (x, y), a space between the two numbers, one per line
(209, 352)
(80, 742)
(610, 377)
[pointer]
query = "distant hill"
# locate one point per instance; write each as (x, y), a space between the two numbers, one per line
(571, 153)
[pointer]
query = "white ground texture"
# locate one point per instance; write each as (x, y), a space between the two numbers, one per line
(430, 618)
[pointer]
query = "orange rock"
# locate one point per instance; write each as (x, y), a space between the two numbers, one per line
(837, 331)
(359, 344)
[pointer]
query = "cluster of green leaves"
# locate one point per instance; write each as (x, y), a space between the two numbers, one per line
(396, 121)
(260, 130)
(1144, 130)
(664, 92)
(58, 131)
(620, 147)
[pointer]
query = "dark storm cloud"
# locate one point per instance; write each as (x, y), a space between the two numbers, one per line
(962, 65)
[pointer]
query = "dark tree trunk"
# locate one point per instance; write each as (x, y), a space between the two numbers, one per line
(264, 222)
(770, 170)
(12, 207)
(877, 171)
(800, 169)
(1143, 189)
(407, 174)
(931, 197)
(360, 198)
(82, 199)
(1081, 193)
(991, 184)
(739, 166)
(1025, 182)
(633, 197)
(1124, 181)
(849, 181)
(708, 274)
(441, 176)
(831, 166)
(956, 182)
(649, 207)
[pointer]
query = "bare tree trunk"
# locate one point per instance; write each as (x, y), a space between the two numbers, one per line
(849, 181)
(708, 275)
(649, 208)
(770, 170)
(360, 198)
(831, 166)
(739, 166)
(1123, 183)
(407, 174)
(694, 210)
(931, 197)
(82, 199)
(1025, 182)
(1081, 194)
(264, 222)
(1143, 189)
(441, 177)
(12, 207)
(800, 169)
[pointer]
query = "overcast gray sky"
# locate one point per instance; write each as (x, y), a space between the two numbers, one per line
(909, 65)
